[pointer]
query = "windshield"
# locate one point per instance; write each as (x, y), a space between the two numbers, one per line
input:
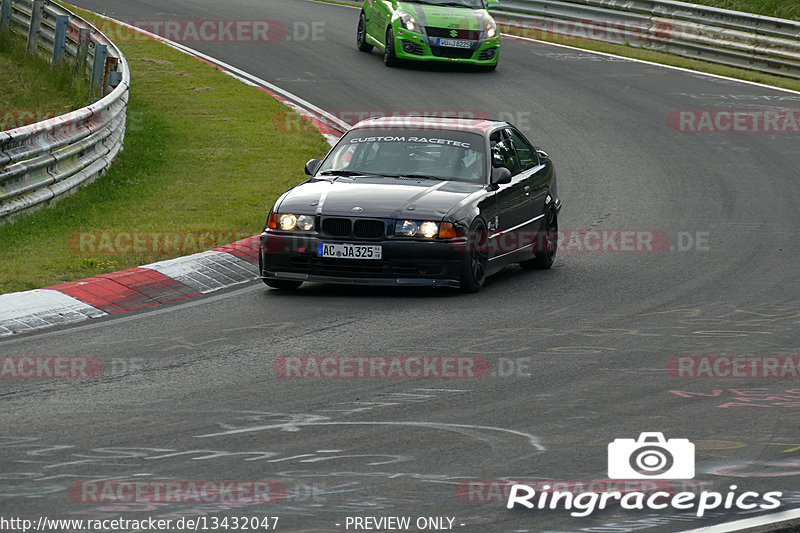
(449, 155)
(472, 4)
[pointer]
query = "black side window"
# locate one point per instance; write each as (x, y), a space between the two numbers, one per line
(525, 152)
(503, 154)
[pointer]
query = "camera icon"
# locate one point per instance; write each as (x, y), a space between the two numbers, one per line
(651, 457)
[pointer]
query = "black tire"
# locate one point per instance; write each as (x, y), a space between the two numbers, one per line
(389, 56)
(547, 245)
(361, 35)
(476, 258)
(282, 284)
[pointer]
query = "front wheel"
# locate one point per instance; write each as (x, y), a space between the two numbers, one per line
(546, 244)
(282, 284)
(361, 36)
(389, 55)
(476, 258)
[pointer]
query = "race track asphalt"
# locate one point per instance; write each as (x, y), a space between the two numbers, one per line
(190, 392)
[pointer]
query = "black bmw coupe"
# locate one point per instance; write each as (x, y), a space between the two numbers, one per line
(414, 201)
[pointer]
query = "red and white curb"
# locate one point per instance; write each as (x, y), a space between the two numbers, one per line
(129, 290)
(165, 281)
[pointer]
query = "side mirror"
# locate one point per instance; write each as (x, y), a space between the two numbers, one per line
(500, 176)
(312, 166)
(492, 4)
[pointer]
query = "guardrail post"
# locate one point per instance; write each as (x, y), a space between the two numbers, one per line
(62, 22)
(83, 53)
(5, 13)
(111, 65)
(114, 79)
(99, 66)
(36, 21)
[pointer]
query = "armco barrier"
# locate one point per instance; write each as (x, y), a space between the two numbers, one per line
(733, 38)
(52, 158)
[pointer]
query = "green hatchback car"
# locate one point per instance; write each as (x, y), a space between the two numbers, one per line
(460, 31)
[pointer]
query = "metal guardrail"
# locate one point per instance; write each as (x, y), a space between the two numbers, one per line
(733, 38)
(44, 161)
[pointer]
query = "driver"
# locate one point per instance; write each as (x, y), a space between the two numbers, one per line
(460, 162)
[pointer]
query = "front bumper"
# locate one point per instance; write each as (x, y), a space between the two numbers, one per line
(404, 262)
(420, 47)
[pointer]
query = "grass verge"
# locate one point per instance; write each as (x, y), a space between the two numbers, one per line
(205, 157)
(30, 90)
(784, 9)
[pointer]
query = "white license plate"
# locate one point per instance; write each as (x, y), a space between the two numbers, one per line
(349, 251)
(454, 43)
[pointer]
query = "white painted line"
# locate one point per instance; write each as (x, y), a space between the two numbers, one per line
(671, 67)
(297, 421)
(749, 523)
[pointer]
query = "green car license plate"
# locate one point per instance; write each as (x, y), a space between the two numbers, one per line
(454, 43)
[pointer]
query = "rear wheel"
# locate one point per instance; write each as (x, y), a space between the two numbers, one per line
(389, 56)
(546, 244)
(282, 284)
(476, 258)
(361, 36)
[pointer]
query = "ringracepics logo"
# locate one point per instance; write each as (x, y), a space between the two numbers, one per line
(649, 457)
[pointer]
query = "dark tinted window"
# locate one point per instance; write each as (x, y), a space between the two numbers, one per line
(525, 152)
(503, 154)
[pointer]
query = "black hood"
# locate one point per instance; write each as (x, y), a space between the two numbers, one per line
(377, 197)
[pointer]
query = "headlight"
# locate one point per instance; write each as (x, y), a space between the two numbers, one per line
(290, 222)
(412, 228)
(429, 230)
(305, 222)
(491, 29)
(406, 228)
(408, 21)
